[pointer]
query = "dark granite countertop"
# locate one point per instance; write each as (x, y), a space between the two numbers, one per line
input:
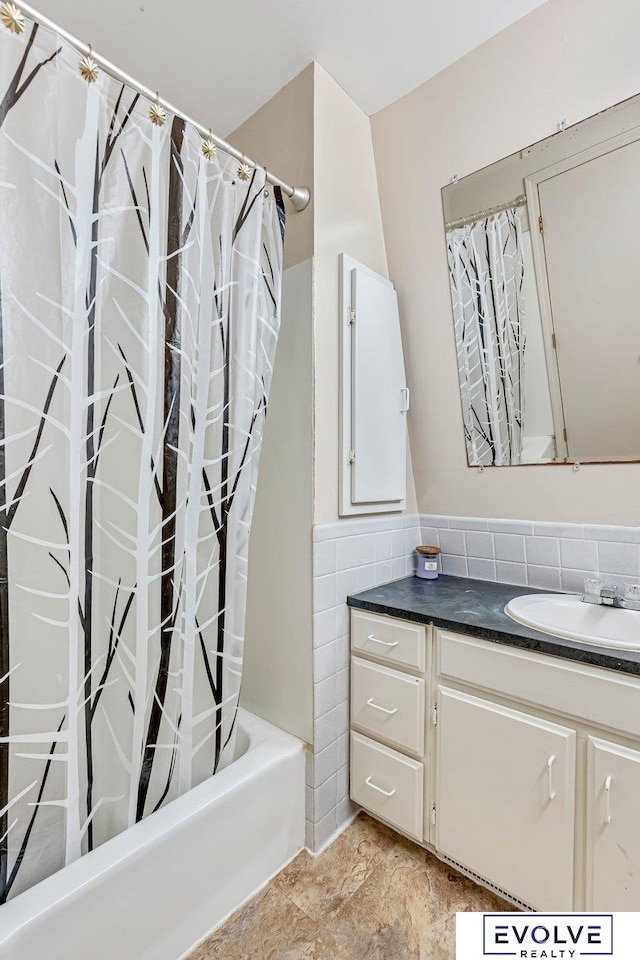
(476, 608)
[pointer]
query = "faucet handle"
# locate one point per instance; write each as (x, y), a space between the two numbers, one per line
(593, 586)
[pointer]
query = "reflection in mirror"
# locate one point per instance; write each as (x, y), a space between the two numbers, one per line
(543, 252)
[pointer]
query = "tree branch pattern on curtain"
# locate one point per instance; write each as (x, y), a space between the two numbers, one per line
(486, 272)
(139, 317)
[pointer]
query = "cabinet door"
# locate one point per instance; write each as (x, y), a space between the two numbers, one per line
(505, 798)
(613, 833)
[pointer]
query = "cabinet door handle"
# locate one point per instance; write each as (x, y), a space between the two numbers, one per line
(385, 643)
(387, 793)
(550, 763)
(377, 706)
(607, 800)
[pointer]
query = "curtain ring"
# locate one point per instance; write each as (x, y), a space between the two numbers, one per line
(266, 184)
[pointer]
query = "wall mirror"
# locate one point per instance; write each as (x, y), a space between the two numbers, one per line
(544, 268)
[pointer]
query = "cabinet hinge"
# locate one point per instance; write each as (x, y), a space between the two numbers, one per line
(433, 814)
(435, 715)
(565, 435)
(352, 315)
(554, 342)
(351, 456)
(541, 223)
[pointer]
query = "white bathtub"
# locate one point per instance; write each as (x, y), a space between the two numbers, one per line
(158, 889)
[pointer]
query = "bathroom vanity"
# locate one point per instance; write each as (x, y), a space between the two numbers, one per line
(512, 754)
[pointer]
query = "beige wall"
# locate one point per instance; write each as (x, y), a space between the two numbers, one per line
(567, 59)
(347, 220)
(278, 656)
(279, 136)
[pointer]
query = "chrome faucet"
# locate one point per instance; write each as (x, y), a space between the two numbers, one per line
(613, 596)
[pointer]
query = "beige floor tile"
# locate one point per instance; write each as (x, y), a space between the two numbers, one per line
(321, 885)
(406, 909)
(371, 896)
(270, 927)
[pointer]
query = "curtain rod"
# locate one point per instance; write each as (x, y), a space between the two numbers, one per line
(483, 214)
(299, 196)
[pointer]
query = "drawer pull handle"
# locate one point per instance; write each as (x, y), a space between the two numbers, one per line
(387, 793)
(607, 800)
(376, 706)
(385, 643)
(550, 763)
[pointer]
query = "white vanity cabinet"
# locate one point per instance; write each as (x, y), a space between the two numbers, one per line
(613, 826)
(505, 787)
(521, 769)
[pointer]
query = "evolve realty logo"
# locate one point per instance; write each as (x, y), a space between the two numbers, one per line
(547, 936)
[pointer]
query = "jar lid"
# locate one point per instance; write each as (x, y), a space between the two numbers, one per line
(427, 551)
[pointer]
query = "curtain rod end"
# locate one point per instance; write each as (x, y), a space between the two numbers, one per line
(300, 198)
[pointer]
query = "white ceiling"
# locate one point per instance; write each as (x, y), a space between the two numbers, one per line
(219, 60)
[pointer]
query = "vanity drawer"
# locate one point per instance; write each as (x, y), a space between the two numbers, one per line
(388, 704)
(387, 784)
(603, 698)
(395, 641)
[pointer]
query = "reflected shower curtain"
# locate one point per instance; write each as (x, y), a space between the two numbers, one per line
(486, 271)
(140, 296)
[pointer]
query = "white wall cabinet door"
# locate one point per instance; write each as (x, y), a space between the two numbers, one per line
(505, 798)
(375, 398)
(613, 830)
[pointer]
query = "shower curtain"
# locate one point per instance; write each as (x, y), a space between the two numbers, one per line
(140, 277)
(486, 272)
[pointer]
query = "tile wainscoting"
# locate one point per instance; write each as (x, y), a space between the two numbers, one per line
(550, 556)
(348, 556)
(354, 555)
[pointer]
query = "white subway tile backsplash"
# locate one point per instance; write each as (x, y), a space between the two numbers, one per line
(468, 523)
(342, 786)
(325, 829)
(430, 536)
(515, 527)
(479, 544)
(326, 797)
(324, 627)
(508, 572)
(383, 546)
(384, 571)
(509, 546)
(343, 652)
(480, 569)
(325, 661)
(452, 542)
(454, 566)
(324, 592)
(367, 577)
(354, 551)
(613, 534)
(324, 558)
(324, 695)
(619, 558)
(342, 685)
(574, 531)
(343, 750)
(399, 544)
(543, 551)
(346, 584)
(434, 520)
(545, 578)
(325, 729)
(579, 554)
(573, 580)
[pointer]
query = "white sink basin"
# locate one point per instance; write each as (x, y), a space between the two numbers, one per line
(569, 617)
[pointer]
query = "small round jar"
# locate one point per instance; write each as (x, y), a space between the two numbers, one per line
(428, 562)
